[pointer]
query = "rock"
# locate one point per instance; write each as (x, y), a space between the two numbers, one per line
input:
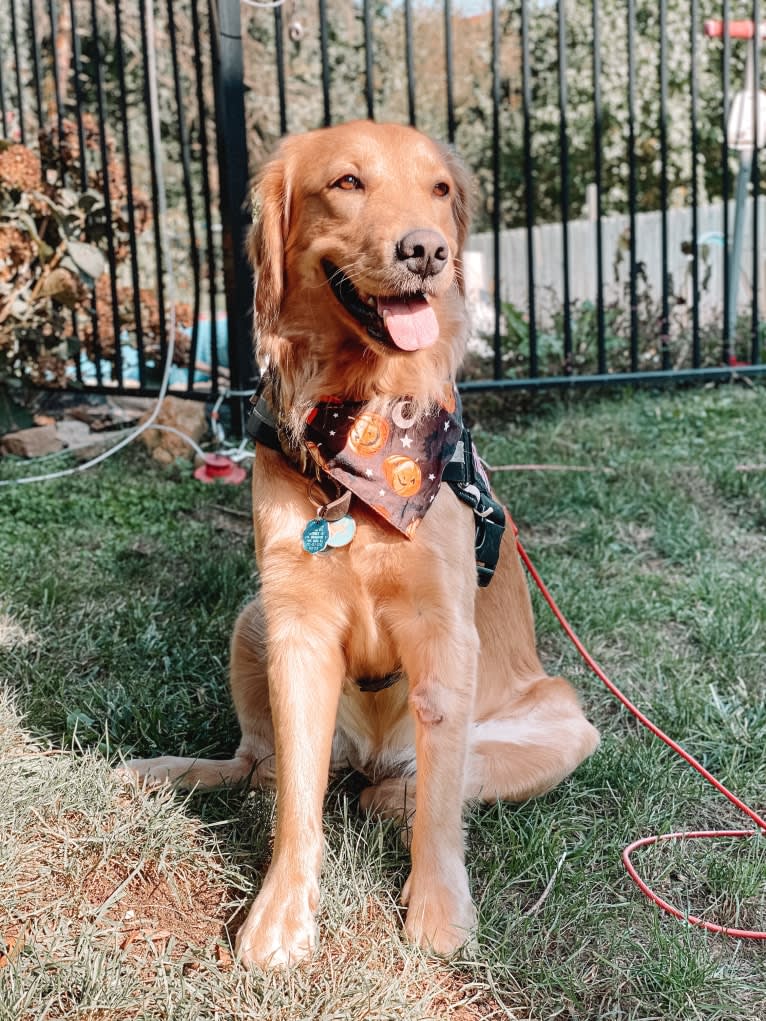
(73, 433)
(35, 442)
(137, 404)
(162, 456)
(109, 415)
(84, 444)
(186, 416)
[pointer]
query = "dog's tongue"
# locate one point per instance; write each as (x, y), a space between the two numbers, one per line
(411, 322)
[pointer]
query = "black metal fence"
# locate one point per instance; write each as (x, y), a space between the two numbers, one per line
(86, 293)
(619, 225)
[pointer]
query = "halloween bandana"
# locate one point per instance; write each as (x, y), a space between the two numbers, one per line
(394, 462)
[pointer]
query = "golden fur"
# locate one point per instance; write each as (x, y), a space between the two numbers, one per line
(475, 715)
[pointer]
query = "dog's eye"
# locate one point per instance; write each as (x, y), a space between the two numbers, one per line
(441, 189)
(348, 183)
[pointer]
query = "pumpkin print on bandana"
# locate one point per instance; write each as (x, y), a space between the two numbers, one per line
(402, 474)
(394, 464)
(368, 434)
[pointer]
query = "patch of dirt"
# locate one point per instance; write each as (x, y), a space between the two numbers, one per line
(138, 906)
(460, 1001)
(156, 914)
(367, 940)
(11, 944)
(185, 912)
(176, 912)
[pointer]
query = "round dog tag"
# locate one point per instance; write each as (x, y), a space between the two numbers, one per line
(342, 531)
(315, 535)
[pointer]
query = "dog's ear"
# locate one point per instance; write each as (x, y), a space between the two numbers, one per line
(266, 242)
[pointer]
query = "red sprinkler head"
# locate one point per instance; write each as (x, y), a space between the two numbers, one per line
(218, 468)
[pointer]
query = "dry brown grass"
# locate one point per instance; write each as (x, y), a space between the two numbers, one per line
(112, 894)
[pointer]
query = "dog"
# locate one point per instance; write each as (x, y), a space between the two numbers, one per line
(371, 643)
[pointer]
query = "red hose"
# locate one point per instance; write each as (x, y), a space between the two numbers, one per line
(646, 722)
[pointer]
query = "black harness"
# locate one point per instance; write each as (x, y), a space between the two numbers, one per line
(471, 487)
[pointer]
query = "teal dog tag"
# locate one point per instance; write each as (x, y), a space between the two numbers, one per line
(342, 531)
(315, 535)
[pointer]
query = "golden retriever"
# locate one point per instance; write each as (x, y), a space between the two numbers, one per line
(359, 298)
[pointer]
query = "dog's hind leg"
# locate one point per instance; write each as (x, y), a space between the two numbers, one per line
(527, 752)
(523, 754)
(254, 758)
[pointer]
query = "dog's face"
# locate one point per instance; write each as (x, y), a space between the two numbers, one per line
(358, 243)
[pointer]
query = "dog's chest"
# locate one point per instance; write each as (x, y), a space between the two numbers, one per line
(390, 580)
(373, 593)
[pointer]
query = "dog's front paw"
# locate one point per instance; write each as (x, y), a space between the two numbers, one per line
(440, 914)
(280, 929)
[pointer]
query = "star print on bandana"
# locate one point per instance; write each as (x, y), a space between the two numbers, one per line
(394, 464)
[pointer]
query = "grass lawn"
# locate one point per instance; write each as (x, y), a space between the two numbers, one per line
(119, 588)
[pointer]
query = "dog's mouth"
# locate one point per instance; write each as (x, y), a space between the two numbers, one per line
(405, 321)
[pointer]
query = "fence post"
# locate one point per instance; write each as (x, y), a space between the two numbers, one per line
(235, 209)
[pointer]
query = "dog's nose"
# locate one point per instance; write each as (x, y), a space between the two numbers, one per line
(424, 252)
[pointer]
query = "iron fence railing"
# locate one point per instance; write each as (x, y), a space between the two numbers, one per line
(609, 123)
(75, 102)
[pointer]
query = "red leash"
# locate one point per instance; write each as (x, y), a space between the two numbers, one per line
(646, 722)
